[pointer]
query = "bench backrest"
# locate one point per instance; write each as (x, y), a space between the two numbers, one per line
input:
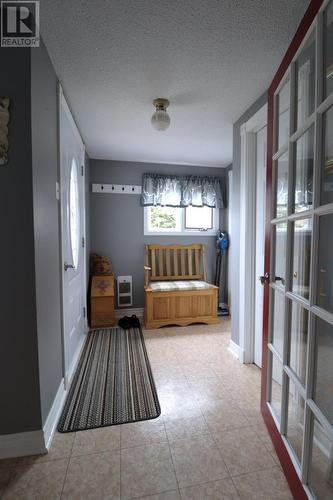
(176, 262)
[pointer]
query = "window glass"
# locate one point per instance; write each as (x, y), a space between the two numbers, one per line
(281, 186)
(298, 340)
(324, 376)
(74, 213)
(295, 420)
(179, 220)
(278, 322)
(327, 167)
(280, 253)
(276, 393)
(302, 257)
(325, 263)
(305, 81)
(198, 218)
(283, 112)
(304, 171)
(328, 50)
(321, 471)
(164, 219)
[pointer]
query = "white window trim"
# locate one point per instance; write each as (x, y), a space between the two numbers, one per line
(183, 231)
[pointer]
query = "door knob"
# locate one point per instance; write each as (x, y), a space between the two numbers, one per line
(264, 280)
(68, 266)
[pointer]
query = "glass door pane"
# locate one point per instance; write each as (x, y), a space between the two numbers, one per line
(281, 186)
(325, 263)
(283, 113)
(276, 389)
(321, 463)
(304, 171)
(278, 321)
(323, 395)
(302, 233)
(280, 253)
(327, 167)
(295, 420)
(305, 81)
(328, 50)
(298, 341)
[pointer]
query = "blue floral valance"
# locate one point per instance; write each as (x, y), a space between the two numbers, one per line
(177, 191)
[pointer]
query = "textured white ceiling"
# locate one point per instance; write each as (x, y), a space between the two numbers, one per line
(210, 58)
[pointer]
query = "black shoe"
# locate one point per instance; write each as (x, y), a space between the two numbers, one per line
(129, 322)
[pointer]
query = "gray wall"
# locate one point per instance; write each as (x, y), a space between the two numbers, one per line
(116, 220)
(235, 216)
(19, 387)
(46, 218)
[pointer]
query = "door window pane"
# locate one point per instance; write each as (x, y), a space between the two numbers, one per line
(324, 377)
(295, 420)
(305, 81)
(325, 263)
(283, 113)
(278, 321)
(276, 392)
(281, 186)
(327, 170)
(280, 252)
(328, 50)
(74, 213)
(304, 171)
(302, 257)
(298, 340)
(321, 463)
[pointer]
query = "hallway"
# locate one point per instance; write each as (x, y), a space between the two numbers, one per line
(210, 441)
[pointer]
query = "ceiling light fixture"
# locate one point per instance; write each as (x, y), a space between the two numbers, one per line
(160, 119)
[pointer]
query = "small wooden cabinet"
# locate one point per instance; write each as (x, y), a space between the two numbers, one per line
(102, 298)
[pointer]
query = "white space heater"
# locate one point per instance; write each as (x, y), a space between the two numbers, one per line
(124, 291)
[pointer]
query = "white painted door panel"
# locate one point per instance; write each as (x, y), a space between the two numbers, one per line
(73, 255)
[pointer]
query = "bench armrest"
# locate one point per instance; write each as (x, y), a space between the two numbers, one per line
(147, 269)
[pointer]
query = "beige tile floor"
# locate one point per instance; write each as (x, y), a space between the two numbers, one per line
(209, 442)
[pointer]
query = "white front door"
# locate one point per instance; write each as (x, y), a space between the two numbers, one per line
(73, 237)
(261, 150)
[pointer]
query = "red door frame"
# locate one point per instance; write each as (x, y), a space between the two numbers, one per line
(287, 465)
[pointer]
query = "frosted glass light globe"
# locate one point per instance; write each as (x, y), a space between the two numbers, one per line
(160, 120)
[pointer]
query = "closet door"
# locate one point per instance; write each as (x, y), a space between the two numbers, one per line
(297, 385)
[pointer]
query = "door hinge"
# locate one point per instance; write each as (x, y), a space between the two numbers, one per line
(84, 312)
(83, 242)
(82, 170)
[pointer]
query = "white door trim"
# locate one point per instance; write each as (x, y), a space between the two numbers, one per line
(63, 105)
(247, 234)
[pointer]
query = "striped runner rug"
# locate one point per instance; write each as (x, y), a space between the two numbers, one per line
(113, 383)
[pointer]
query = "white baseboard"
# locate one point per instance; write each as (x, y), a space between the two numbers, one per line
(233, 348)
(54, 414)
(138, 311)
(22, 444)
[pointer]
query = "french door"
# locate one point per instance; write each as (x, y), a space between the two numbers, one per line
(297, 388)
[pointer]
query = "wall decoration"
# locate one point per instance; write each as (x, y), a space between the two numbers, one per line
(4, 119)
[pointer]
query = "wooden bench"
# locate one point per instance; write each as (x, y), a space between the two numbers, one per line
(176, 291)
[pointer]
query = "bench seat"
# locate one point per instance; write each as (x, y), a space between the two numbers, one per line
(179, 285)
